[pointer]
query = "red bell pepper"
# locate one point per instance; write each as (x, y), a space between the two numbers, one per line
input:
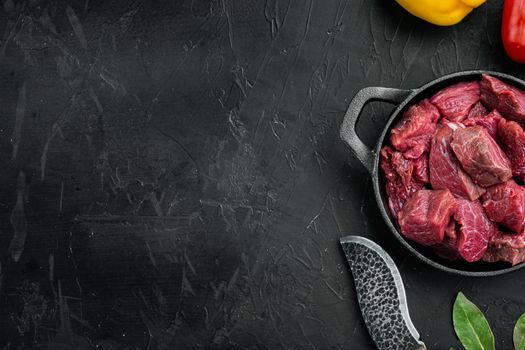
(513, 29)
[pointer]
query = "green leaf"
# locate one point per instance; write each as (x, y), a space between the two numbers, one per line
(519, 334)
(471, 326)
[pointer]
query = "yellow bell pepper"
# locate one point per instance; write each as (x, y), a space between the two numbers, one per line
(440, 12)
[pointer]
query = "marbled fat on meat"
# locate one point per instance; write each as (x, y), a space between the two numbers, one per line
(421, 169)
(478, 110)
(445, 170)
(512, 140)
(413, 133)
(505, 204)
(480, 156)
(475, 230)
(489, 122)
(425, 216)
(507, 99)
(403, 176)
(456, 101)
(506, 247)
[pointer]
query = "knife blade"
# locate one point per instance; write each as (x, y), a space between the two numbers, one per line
(381, 295)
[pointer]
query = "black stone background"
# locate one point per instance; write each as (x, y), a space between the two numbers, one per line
(186, 185)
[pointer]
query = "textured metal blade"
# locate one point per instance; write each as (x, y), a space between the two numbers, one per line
(381, 295)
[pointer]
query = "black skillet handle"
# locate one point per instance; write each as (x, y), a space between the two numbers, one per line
(348, 128)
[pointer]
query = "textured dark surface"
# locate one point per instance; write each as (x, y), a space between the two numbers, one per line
(185, 183)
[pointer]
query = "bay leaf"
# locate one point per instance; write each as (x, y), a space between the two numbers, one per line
(518, 336)
(471, 326)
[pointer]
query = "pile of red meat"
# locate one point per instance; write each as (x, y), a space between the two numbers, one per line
(455, 172)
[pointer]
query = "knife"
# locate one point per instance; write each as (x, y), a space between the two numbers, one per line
(381, 295)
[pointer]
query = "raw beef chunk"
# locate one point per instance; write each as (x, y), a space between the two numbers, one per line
(506, 247)
(447, 249)
(505, 204)
(412, 134)
(403, 176)
(451, 231)
(480, 156)
(425, 216)
(512, 138)
(445, 170)
(455, 172)
(478, 110)
(489, 122)
(455, 101)
(475, 230)
(507, 99)
(421, 169)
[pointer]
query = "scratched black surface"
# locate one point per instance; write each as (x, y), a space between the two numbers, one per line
(185, 186)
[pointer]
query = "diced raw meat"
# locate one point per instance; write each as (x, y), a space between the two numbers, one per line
(421, 169)
(403, 177)
(425, 215)
(507, 99)
(478, 110)
(455, 101)
(395, 166)
(450, 184)
(512, 139)
(480, 156)
(447, 249)
(489, 122)
(445, 170)
(451, 231)
(505, 204)
(506, 247)
(412, 134)
(475, 230)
